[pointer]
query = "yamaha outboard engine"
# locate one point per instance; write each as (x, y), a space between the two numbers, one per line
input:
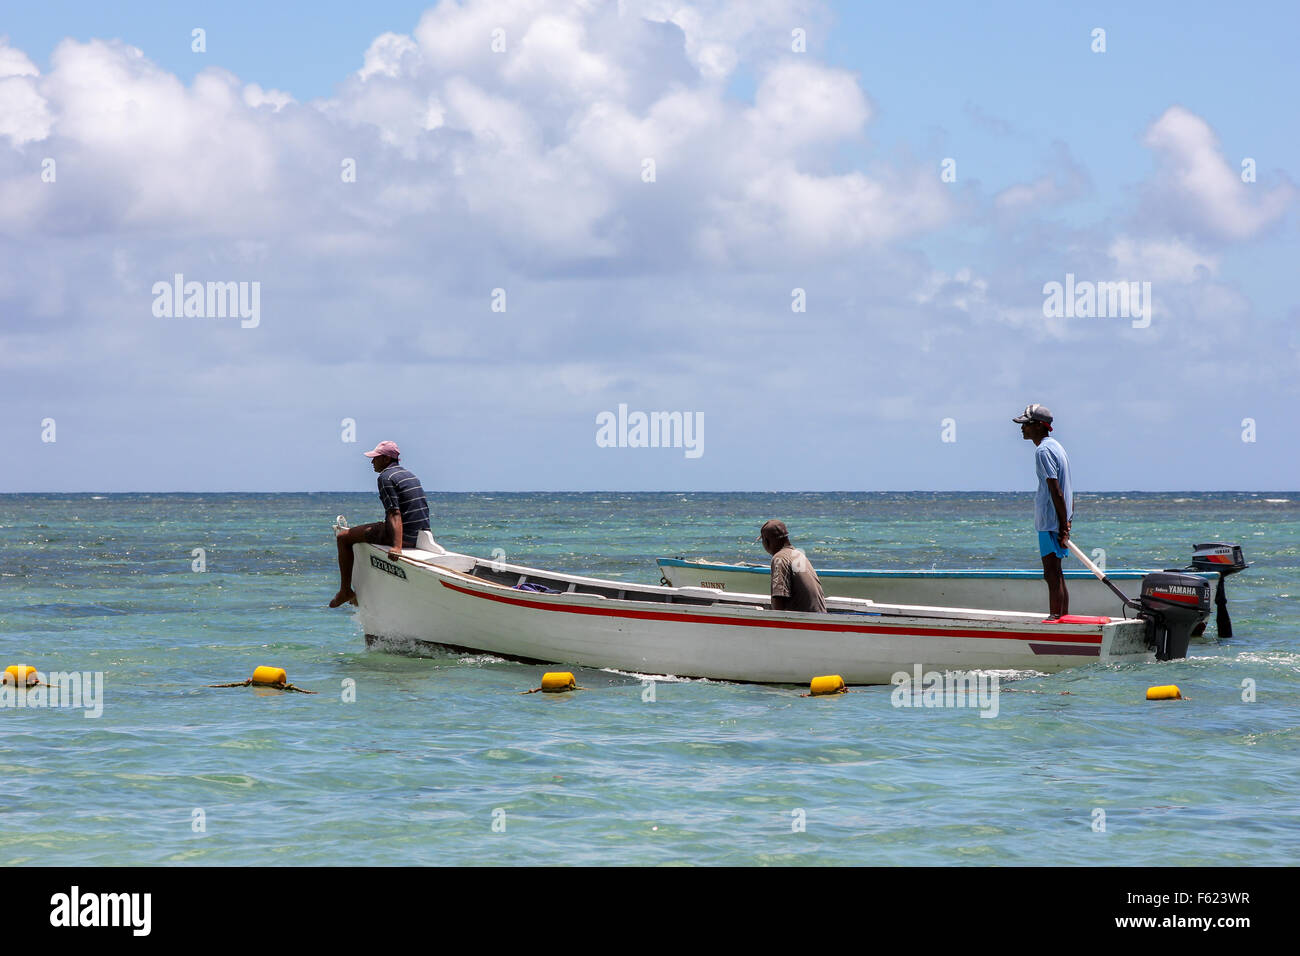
(1226, 559)
(1175, 607)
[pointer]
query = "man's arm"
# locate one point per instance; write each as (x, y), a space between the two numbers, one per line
(394, 518)
(780, 584)
(1058, 502)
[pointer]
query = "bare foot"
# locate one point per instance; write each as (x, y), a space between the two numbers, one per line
(345, 596)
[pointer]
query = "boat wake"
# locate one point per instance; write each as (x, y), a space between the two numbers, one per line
(663, 678)
(407, 647)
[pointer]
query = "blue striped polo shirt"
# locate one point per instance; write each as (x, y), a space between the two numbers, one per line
(400, 489)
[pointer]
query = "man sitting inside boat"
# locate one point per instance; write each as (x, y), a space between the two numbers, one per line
(795, 585)
(406, 514)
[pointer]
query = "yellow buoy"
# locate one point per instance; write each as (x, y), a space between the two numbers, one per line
(270, 676)
(1164, 692)
(22, 674)
(267, 677)
(830, 684)
(557, 682)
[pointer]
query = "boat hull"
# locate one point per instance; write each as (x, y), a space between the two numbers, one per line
(435, 603)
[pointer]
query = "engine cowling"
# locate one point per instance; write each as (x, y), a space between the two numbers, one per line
(1176, 607)
(1217, 556)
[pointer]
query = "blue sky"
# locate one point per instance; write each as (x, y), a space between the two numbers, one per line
(522, 170)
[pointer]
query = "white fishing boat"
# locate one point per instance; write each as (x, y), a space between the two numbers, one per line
(431, 600)
(1011, 589)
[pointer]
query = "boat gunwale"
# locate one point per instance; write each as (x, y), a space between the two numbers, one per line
(1070, 573)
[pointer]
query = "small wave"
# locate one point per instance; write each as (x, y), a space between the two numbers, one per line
(1011, 674)
(482, 659)
(661, 678)
(74, 610)
(1277, 501)
(1279, 658)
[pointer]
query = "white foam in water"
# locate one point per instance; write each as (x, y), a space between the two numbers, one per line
(661, 678)
(482, 659)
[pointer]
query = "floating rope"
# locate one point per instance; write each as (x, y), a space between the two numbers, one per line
(267, 677)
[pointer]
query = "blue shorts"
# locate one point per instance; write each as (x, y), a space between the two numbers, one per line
(1049, 542)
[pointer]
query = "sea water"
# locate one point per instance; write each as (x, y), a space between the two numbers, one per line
(403, 760)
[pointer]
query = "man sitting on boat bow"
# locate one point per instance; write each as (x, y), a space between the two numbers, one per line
(406, 514)
(795, 585)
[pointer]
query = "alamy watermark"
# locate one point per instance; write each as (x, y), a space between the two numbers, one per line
(75, 908)
(651, 430)
(211, 300)
(72, 690)
(975, 689)
(1102, 300)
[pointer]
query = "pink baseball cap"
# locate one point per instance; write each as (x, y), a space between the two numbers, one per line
(385, 448)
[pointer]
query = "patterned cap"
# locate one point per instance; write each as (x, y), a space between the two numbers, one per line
(1034, 413)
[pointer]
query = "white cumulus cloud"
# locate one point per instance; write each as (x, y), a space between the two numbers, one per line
(1196, 187)
(24, 115)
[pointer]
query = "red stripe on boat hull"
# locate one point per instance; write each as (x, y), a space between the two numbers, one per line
(1094, 639)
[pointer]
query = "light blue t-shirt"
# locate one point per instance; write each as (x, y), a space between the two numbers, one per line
(1050, 461)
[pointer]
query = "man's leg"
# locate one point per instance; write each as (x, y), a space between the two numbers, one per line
(345, 538)
(1065, 593)
(1056, 596)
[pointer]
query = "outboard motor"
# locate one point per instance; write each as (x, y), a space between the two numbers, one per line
(1175, 607)
(1226, 559)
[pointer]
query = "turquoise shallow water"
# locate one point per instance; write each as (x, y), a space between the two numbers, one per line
(412, 771)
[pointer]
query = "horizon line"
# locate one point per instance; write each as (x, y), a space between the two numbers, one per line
(671, 491)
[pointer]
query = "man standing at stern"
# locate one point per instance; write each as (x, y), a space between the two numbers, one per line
(406, 514)
(1053, 505)
(795, 585)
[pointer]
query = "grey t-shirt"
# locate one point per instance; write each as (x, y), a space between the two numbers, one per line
(793, 577)
(1050, 461)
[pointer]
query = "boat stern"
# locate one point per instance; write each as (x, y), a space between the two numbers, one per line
(1125, 641)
